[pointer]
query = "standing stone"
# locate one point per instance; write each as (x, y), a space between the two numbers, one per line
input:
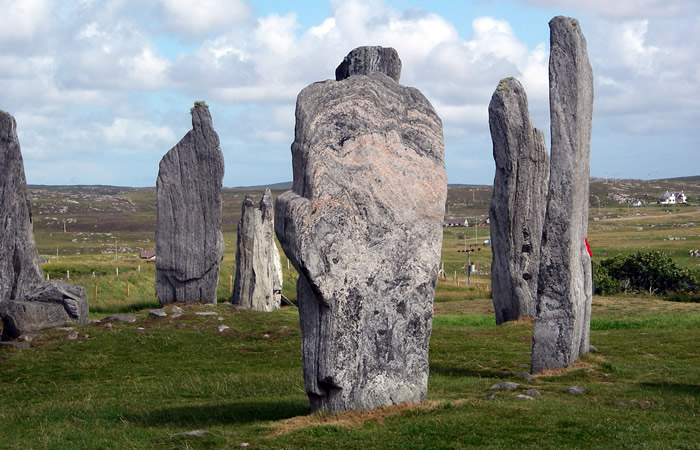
(362, 225)
(517, 203)
(19, 260)
(189, 243)
(562, 323)
(258, 270)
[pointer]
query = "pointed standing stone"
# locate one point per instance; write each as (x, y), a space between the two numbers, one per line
(19, 260)
(258, 283)
(362, 225)
(517, 202)
(189, 243)
(562, 324)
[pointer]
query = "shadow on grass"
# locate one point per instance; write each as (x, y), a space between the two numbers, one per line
(674, 388)
(438, 369)
(124, 309)
(244, 411)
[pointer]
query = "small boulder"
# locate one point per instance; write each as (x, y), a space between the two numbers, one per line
(126, 318)
(533, 393)
(524, 397)
(526, 376)
(157, 313)
(505, 386)
(576, 390)
(45, 305)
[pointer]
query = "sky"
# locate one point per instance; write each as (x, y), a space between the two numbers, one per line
(101, 90)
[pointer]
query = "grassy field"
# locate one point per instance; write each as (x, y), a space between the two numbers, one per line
(142, 385)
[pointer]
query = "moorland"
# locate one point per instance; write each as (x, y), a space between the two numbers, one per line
(144, 384)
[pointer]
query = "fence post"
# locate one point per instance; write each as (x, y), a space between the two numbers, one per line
(67, 274)
(230, 284)
(95, 291)
(117, 271)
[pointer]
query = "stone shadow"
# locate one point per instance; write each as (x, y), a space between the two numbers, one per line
(202, 416)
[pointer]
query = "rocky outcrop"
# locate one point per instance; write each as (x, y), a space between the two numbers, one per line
(189, 243)
(562, 323)
(258, 270)
(366, 60)
(19, 260)
(517, 202)
(46, 304)
(362, 225)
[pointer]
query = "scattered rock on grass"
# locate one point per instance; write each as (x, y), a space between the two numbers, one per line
(197, 433)
(126, 318)
(576, 390)
(524, 397)
(507, 386)
(206, 313)
(526, 376)
(533, 393)
(157, 313)
(493, 395)
(222, 328)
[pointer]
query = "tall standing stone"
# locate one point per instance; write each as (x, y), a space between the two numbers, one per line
(362, 225)
(258, 270)
(517, 203)
(562, 323)
(189, 243)
(19, 260)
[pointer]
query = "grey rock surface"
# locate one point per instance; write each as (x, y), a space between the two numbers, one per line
(517, 203)
(19, 260)
(370, 59)
(562, 322)
(47, 304)
(258, 282)
(126, 318)
(529, 378)
(533, 393)
(576, 390)
(506, 385)
(189, 243)
(362, 225)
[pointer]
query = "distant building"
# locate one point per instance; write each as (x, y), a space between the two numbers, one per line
(455, 223)
(637, 203)
(672, 198)
(148, 254)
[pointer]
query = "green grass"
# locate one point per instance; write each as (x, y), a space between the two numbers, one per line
(137, 385)
(135, 388)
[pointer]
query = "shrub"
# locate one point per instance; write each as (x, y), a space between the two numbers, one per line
(653, 272)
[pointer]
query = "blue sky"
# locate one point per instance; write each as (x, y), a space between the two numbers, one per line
(101, 90)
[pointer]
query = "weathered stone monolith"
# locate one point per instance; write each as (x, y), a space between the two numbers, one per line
(46, 304)
(517, 202)
(362, 225)
(562, 323)
(19, 260)
(366, 60)
(189, 243)
(258, 270)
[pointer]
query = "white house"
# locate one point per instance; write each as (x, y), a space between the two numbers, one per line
(455, 223)
(637, 203)
(671, 198)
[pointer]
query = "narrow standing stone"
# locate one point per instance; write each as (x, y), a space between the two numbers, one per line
(366, 60)
(362, 225)
(258, 269)
(562, 323)
(189, 243)
(19, 260)
(517, 203)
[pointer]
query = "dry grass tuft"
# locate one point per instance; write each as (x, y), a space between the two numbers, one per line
(349, 419)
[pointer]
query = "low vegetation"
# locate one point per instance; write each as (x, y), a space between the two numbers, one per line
(144, 384)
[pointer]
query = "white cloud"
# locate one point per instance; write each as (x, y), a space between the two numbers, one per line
(23, 20)
(141, 134)
(196, 18)
(624, 9)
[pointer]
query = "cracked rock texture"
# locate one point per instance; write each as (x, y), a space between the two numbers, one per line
(19, 260)
(362, 225)
(562, 322)
(258, 269)
(46, 304)
(189, 243)
(517, 203)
